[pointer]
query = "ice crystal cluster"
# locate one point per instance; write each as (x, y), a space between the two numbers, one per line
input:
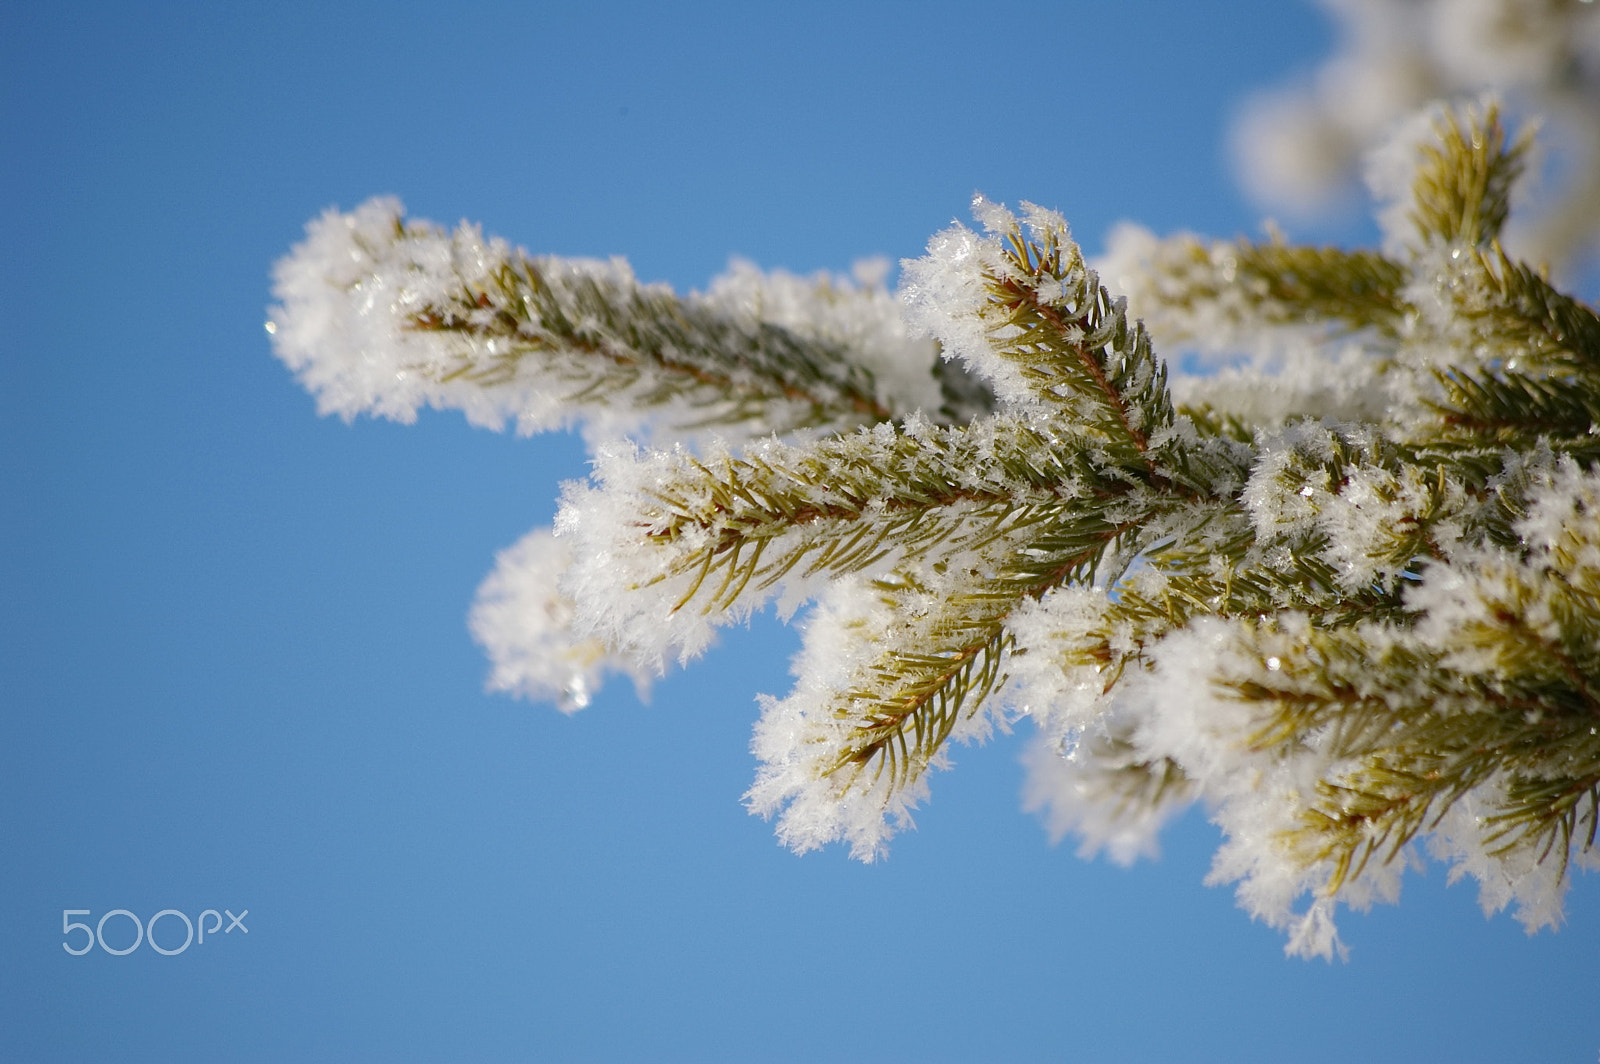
(1344, 592)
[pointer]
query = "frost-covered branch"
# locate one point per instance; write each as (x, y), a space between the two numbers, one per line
(1345, 593)
(952, 530)
(382, 315)
(1378, 641)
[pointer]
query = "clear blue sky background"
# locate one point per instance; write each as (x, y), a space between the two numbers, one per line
(234, 667)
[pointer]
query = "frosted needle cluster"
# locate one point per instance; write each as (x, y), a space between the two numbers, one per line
(1358, 621)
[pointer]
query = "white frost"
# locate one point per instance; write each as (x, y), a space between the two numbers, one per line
(863, 316)
(344, 297)
(525, 625)
(799, 738)
(383, 315)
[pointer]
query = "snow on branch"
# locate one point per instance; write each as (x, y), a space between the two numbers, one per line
(379, 314)
(1358, 619)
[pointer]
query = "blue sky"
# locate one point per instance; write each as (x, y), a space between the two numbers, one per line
(234, 666)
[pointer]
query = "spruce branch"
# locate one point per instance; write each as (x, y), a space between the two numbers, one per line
(1203, 293)
(1505, 308)
(600, 337)
(1408, 737)
(905, 703)
(1464, 173)
(991, 515)
(1346, 615)
(1073, 343)
(381, 314)
(916, 492)
(1022, 309)
(1511, 409)
(941, 648)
